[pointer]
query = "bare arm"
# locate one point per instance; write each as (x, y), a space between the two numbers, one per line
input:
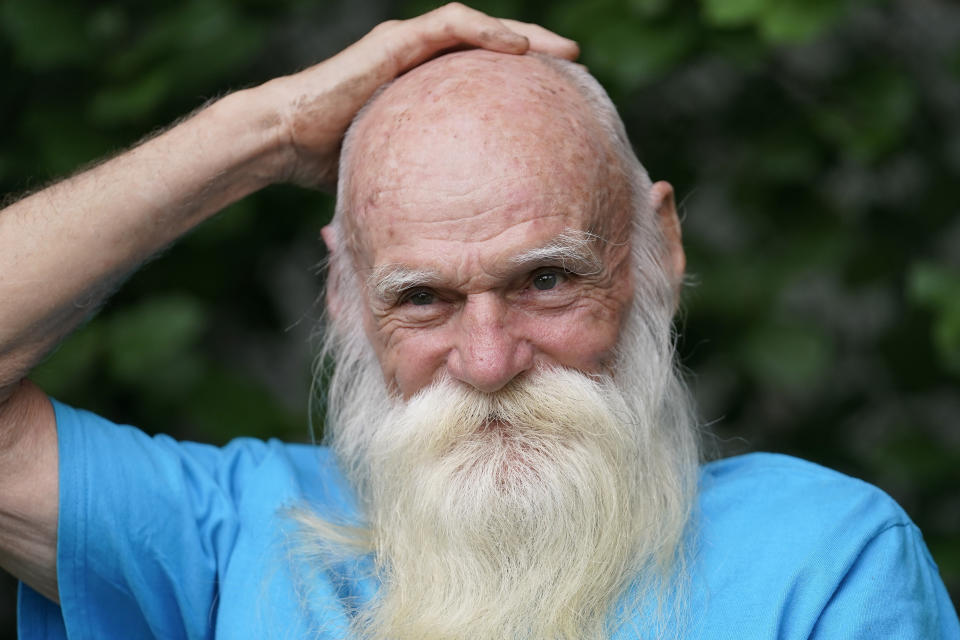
(63, 249)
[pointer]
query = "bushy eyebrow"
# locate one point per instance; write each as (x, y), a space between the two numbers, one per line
(573, 250)
(389, 281)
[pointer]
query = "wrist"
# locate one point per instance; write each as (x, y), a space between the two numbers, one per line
(249, 124)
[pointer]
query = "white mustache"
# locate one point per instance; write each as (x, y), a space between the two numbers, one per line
(534, 409)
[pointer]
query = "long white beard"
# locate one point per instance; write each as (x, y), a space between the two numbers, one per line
(537, 512)
(553, 509)
(520, 514)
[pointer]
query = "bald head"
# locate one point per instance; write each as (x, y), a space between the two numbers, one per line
(493, 218)
(504, 128)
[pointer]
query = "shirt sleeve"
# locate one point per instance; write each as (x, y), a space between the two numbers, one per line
(892, 590)
(144, 524)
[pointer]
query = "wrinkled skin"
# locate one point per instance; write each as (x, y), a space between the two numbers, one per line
(459, 167)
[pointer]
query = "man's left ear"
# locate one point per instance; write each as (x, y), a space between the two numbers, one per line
(662, 199)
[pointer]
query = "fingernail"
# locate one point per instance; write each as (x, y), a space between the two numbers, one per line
(516, 39)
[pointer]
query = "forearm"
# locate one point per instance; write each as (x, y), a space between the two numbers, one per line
(64, 248)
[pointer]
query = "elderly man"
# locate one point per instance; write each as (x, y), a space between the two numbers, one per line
(512, 454)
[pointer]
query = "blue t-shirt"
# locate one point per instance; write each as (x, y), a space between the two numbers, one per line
(167, 539)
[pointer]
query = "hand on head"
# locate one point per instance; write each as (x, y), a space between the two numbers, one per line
(318, 103)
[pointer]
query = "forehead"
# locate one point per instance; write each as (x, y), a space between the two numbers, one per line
(476, 148)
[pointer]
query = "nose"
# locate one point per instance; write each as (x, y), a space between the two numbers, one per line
(488, 354)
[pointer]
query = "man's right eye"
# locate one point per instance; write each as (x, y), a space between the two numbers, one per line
(420, 298)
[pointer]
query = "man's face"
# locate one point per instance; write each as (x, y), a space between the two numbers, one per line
(477, 219)
(488, 219)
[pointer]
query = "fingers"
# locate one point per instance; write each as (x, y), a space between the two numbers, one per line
(321, 101)
(544, 40)
(455, 25)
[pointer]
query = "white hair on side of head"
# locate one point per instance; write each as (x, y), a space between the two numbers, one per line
(655, 405)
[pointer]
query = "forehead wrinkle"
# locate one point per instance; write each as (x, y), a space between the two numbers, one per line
(540, 183)
(416, 211)
(464, 138)
(490, 99)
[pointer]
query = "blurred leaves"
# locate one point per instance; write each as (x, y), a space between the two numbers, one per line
(727, 13)
(154, 345)
(45, 34)
(786, 356)
(790, 21)
(150, 348)
(869, 114)
(777, 21)
(938, 289)
(623, 40)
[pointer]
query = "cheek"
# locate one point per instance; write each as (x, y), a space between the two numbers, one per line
(411, 359)
(583, 341)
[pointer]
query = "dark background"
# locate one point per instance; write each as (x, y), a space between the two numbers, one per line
(814, 144)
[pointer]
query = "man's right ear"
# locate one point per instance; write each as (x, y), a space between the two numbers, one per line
(331, 238)
(664, 203)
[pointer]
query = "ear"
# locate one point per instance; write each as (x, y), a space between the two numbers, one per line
(662, 199)
(334, 301)
(329, 235)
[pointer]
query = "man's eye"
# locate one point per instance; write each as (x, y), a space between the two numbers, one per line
(545, 280)
(420, 298)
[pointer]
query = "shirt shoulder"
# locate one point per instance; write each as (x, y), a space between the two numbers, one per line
(155, 533)
(236, 469)
(787, 548)
(792, 492)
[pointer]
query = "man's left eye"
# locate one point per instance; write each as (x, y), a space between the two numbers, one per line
(421, 298)
(546, 280)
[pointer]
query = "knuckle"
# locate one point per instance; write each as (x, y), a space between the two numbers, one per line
(486, 35)
(451, 16)
(457, 11)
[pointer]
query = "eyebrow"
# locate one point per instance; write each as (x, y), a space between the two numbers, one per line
(389, 281)
(573, 250)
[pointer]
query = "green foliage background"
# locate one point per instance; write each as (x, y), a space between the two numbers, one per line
(814, 144)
